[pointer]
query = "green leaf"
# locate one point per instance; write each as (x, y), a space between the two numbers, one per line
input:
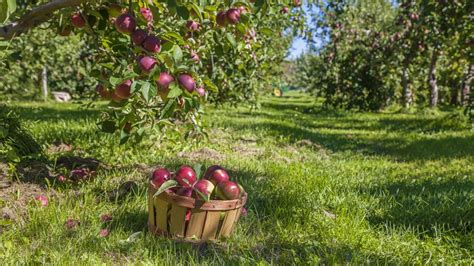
(167, 46)
(267, 31)
(258, 5)
(4, 12)
(124, 137)
(196, 9)
(231, 39)
(149, 90)
(135, 86)
(175, 91)
(209, 85)
(183, 12)
(177, 53)
(202, 195)
(145, 89)
(173, 37)
(166, 185)
(197, 168)
(168, 109)
(114, 81)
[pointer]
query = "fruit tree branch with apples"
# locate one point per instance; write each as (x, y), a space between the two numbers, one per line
(35, 17)
(157, 62)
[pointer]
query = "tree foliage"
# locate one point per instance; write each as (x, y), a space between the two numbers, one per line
(229, 60)
(42, 48)
(377, 53)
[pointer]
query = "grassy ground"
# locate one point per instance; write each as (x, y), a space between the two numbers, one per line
(324, 187)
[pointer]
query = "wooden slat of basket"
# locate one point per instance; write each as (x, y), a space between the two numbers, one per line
(210, 226)
(151, 207)
(177, 220)
(212, 205)
(239, 212)
(228, 223)
(161, 214)
(196, 224)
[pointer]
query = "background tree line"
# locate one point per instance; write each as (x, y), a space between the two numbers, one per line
(378, 53)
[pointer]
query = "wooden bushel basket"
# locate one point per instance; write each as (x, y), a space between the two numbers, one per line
(209, 220)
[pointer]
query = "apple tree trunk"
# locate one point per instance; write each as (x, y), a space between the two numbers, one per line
(434, 91)
(407, 93)
(466, 85)
(44, 82)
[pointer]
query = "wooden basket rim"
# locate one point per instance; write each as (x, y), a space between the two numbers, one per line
(211, 205)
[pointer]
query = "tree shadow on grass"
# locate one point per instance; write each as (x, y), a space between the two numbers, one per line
(378, 121)
(425, 206)
(49, 113)
(399, 148)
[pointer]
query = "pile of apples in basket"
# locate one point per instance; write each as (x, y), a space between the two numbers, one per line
(214, 185)
(182, 205)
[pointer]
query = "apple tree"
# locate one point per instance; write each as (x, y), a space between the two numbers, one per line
(157, 61)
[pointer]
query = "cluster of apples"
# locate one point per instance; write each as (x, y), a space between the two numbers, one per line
(150, 44)
(231, 16)
(214, 184)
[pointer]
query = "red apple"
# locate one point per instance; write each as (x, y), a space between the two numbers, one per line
(221, 18)
(164, 80)
(160, 176)
(192, 25)
(233, 15)
(284, 10)
(146, 14)
(152, 44)
(187, 82)
(204, 186)
(77, 20)
(146, 63)
(195, 57)
(201, 91)
(102, 91)
(217, 176)
(139, 36)
(125, 23)
(227, 190)
(185, 191)
(210, 170)
(187, 173)
(123, 90)
(163, 83)
(115, 97)
(243, 9)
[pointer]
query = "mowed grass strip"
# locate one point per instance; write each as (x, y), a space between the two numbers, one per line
(324, 186)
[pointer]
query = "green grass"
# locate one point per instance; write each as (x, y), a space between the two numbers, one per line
(401, 187)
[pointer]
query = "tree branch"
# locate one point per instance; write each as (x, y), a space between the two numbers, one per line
(35, 17)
